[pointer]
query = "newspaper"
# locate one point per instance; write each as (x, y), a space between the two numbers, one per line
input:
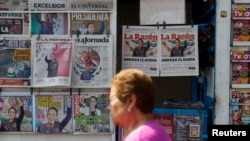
(92, 61)
(14, 5)
(15, 60)
(22, 106)
(49, 24)
(182, 61)
(239, 107)
(141, 54)
(53, 112)
(14, 23)
(89, 23)
(90, 5)
(91, 113)
(52, 58)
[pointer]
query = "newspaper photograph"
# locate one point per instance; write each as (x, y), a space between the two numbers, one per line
(91, 113)
(15, 60)
(16, 113)
(140, 49)
(49, 23)
(92, 61)
(179, 51)
(53, 113)
(90, 23)
(52, 61)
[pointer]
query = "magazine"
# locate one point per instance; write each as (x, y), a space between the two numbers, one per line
(53, 112)
(18, 109)
(240, 106)
(240, 66)
(91, 114)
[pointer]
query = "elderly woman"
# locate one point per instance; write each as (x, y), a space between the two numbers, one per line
(132, 98)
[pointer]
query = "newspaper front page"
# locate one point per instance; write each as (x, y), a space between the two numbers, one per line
(92, 61)
(91, 113)
(179, 51)
(52, 61)
(15, 60)
(53, 112)
(140, 49)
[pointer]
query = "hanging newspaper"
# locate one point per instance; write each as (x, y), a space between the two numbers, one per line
(16, 112)
(53, 112)
(90, 23)
(140, 49)
(240, 107)
(179, 51)
(49, 23)
(52, 61)
(15, 60)
(92, 66)
(91, 113)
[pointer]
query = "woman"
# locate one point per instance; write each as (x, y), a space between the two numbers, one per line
(13, 123)
(91, 110)
(54, 126)
(131, 106)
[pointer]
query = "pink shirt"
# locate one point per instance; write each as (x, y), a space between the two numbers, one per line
(150, 131)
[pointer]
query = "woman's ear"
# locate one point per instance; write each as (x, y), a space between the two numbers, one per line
(131, 102)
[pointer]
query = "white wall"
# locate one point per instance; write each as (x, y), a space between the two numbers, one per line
(222, 64)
